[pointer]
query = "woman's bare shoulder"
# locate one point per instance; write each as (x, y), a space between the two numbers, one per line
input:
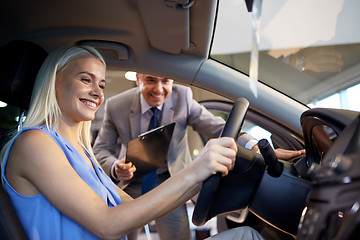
(32, 144)
(27, 160)
(32, 138)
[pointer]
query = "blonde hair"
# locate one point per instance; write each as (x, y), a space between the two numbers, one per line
(44, 107)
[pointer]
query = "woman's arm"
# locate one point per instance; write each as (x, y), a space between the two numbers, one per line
(38, 165)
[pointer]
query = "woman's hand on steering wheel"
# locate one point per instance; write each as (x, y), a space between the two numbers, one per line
(218, 155)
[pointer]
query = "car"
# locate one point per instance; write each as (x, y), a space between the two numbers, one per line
(293, 66)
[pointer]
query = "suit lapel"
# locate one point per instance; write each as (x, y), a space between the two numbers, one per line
(168, 110)
(135, 113)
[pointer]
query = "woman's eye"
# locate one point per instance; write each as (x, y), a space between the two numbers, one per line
(87, 80)
(102, 87)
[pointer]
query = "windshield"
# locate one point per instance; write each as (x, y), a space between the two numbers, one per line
(309, 50)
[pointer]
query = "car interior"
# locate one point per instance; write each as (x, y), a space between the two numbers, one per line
(314, 196)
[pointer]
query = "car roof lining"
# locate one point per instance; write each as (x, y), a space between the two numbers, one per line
(118, 27)
(124, 24)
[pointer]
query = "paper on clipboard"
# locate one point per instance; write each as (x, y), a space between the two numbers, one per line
(149, 150)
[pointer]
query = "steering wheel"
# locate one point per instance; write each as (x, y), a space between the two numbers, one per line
(232, 129)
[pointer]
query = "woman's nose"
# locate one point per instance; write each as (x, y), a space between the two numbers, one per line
(97, 91)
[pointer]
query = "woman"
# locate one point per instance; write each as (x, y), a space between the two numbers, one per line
(50, 173)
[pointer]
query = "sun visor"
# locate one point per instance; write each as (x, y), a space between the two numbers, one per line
(168, 30)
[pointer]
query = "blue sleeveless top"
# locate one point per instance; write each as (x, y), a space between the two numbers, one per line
(40, 219)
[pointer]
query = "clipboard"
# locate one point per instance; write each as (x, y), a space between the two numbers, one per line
(149, 150)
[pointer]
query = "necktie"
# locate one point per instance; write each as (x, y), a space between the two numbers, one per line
(149, 180)
(154, 119)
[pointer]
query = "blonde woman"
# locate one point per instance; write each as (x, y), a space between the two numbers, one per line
(52, 177)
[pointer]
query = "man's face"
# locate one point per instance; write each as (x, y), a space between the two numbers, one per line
(155, 90)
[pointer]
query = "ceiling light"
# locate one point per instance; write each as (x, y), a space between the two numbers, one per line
(3, 104)
(130, 76)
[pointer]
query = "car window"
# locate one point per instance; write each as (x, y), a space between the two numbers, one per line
(255, 124)
(307, 51)
(197, 141)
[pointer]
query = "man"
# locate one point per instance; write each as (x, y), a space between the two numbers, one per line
(128, 114)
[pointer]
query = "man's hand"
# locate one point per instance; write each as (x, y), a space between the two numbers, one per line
(124, 171)
(287, 154)
(282, 153)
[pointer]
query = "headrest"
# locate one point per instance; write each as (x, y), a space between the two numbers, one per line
(20, 62)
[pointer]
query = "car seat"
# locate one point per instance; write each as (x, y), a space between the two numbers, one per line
(19, 62)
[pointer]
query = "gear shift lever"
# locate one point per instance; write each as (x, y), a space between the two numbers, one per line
(275, 167)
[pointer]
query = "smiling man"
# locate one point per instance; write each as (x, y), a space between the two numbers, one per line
(155, 90)
(128, 114)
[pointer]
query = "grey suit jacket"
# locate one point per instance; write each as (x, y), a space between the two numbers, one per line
(121, 123)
